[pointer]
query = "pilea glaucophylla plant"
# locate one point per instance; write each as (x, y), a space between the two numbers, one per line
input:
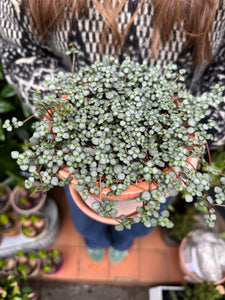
(114, 125)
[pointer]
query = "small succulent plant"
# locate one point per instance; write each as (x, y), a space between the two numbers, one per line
(120, 124)
(28, 199)
(52, 260)
(33, 225)
(27, 263)
(7, 222)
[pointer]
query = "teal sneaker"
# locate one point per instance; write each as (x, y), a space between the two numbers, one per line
(96, 255)
(116, 256)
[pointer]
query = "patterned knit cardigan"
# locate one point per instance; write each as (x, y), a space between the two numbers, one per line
(26, 59)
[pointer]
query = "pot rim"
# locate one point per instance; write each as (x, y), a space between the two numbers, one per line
(14, 196)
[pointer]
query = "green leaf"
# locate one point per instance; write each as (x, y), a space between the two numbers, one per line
(5, 106)
(7, 91)
(2, 132)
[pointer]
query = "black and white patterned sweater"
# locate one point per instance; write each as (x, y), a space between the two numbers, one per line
(26, 59)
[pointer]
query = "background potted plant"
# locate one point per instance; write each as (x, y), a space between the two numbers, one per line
(28, 263)
(187, 291)
(34, 225)
(122, 132)
(9, 224)
(51, 260)
(5, 193)
(27, 201)
(200, 291)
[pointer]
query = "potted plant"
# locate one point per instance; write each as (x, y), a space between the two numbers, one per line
(9, 224)
(34, 225)
(5, 193)
(28, 263)
(200, 291)
(26, 201)
(42, 254)
(51, 261)
(122, 132)
(12, 289)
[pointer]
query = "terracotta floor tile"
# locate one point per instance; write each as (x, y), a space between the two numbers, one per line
(70, 264)
(68, 234)
(176, 275)
(127, 270)
(90, 270)
(136, 244)
(153, 240)
(153, 266)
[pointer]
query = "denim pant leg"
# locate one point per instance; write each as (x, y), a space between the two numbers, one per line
(123, 240)
(94, 233)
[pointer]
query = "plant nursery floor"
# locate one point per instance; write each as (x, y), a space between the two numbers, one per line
(150, 261)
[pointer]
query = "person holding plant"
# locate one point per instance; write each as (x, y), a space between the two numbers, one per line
(35, 38)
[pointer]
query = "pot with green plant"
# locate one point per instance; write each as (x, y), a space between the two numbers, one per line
(11, 288)
(9, 224)
(34, 225)
(42, 254)
(188, 291)
(125, 137)
(5, 193)
(51, 261)
(27, 201)
(28, 263)
(200, 291)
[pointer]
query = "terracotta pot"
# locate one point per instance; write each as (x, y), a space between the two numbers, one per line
(127, 200)
(5, 205)
(186, 270)
(126, 207)
(13, 231)
(26, 211)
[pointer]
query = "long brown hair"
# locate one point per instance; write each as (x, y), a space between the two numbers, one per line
(195, 17)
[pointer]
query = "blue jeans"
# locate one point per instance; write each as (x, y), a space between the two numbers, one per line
(99, 235)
